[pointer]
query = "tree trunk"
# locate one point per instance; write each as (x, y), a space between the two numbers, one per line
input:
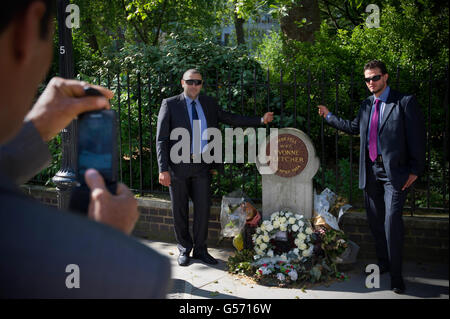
(158, 29)
(140, 34)
(306, 9)
(239, 27)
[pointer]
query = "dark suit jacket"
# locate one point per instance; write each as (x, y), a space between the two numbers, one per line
(24, 155)
(37, 242)
(174, 114)
(401, 136)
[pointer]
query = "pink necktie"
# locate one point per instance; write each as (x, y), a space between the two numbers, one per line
(374, 132)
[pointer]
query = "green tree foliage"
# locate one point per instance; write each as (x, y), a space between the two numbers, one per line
(113, 23)
(410, 35)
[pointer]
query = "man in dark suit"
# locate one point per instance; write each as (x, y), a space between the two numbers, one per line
(194, 113)
(392, 156)
(47, 253)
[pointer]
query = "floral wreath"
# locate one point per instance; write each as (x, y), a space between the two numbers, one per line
(299, 244)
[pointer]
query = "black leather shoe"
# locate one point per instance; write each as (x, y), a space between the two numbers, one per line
(183, 259)
(397, 285)
(205, 257)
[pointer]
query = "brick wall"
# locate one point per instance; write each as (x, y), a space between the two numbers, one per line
(426, 239)
(156, 222)
(45, 195)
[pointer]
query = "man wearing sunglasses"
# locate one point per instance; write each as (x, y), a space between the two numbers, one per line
(195, 113)
(392, 156)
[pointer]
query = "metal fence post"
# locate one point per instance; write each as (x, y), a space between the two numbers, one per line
(65, 178)
(315, 89)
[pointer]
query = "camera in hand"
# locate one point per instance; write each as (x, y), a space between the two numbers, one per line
(96, 148)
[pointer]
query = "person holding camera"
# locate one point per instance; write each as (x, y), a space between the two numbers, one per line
(39, 244)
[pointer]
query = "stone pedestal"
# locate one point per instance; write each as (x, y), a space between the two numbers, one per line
(291, 186)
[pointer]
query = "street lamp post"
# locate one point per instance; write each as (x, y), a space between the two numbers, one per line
(65, 178)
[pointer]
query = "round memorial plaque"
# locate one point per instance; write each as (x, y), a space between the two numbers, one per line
(292, 155)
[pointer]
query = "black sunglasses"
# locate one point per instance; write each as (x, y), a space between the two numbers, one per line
(192, 82)
(373, 78)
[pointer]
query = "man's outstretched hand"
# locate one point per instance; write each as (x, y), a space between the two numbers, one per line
(268, 117)
(322, 110)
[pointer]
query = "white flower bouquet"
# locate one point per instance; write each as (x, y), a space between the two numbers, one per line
(295, 231)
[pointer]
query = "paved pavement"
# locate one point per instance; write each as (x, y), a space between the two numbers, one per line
(203, 281)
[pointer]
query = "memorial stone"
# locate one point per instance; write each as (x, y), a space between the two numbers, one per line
(291, 186)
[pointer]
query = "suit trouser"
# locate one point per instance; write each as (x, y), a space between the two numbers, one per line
(194, 184)
(384, 207)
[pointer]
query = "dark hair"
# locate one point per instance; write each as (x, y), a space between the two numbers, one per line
(376, 64)
(14, 8)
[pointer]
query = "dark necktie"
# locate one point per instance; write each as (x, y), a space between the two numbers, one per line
(373, 152)
(195, 133)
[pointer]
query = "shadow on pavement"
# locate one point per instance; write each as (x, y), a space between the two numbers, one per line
(180, 286)
(421, 281)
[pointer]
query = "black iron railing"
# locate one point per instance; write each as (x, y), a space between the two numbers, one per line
(293, 97)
